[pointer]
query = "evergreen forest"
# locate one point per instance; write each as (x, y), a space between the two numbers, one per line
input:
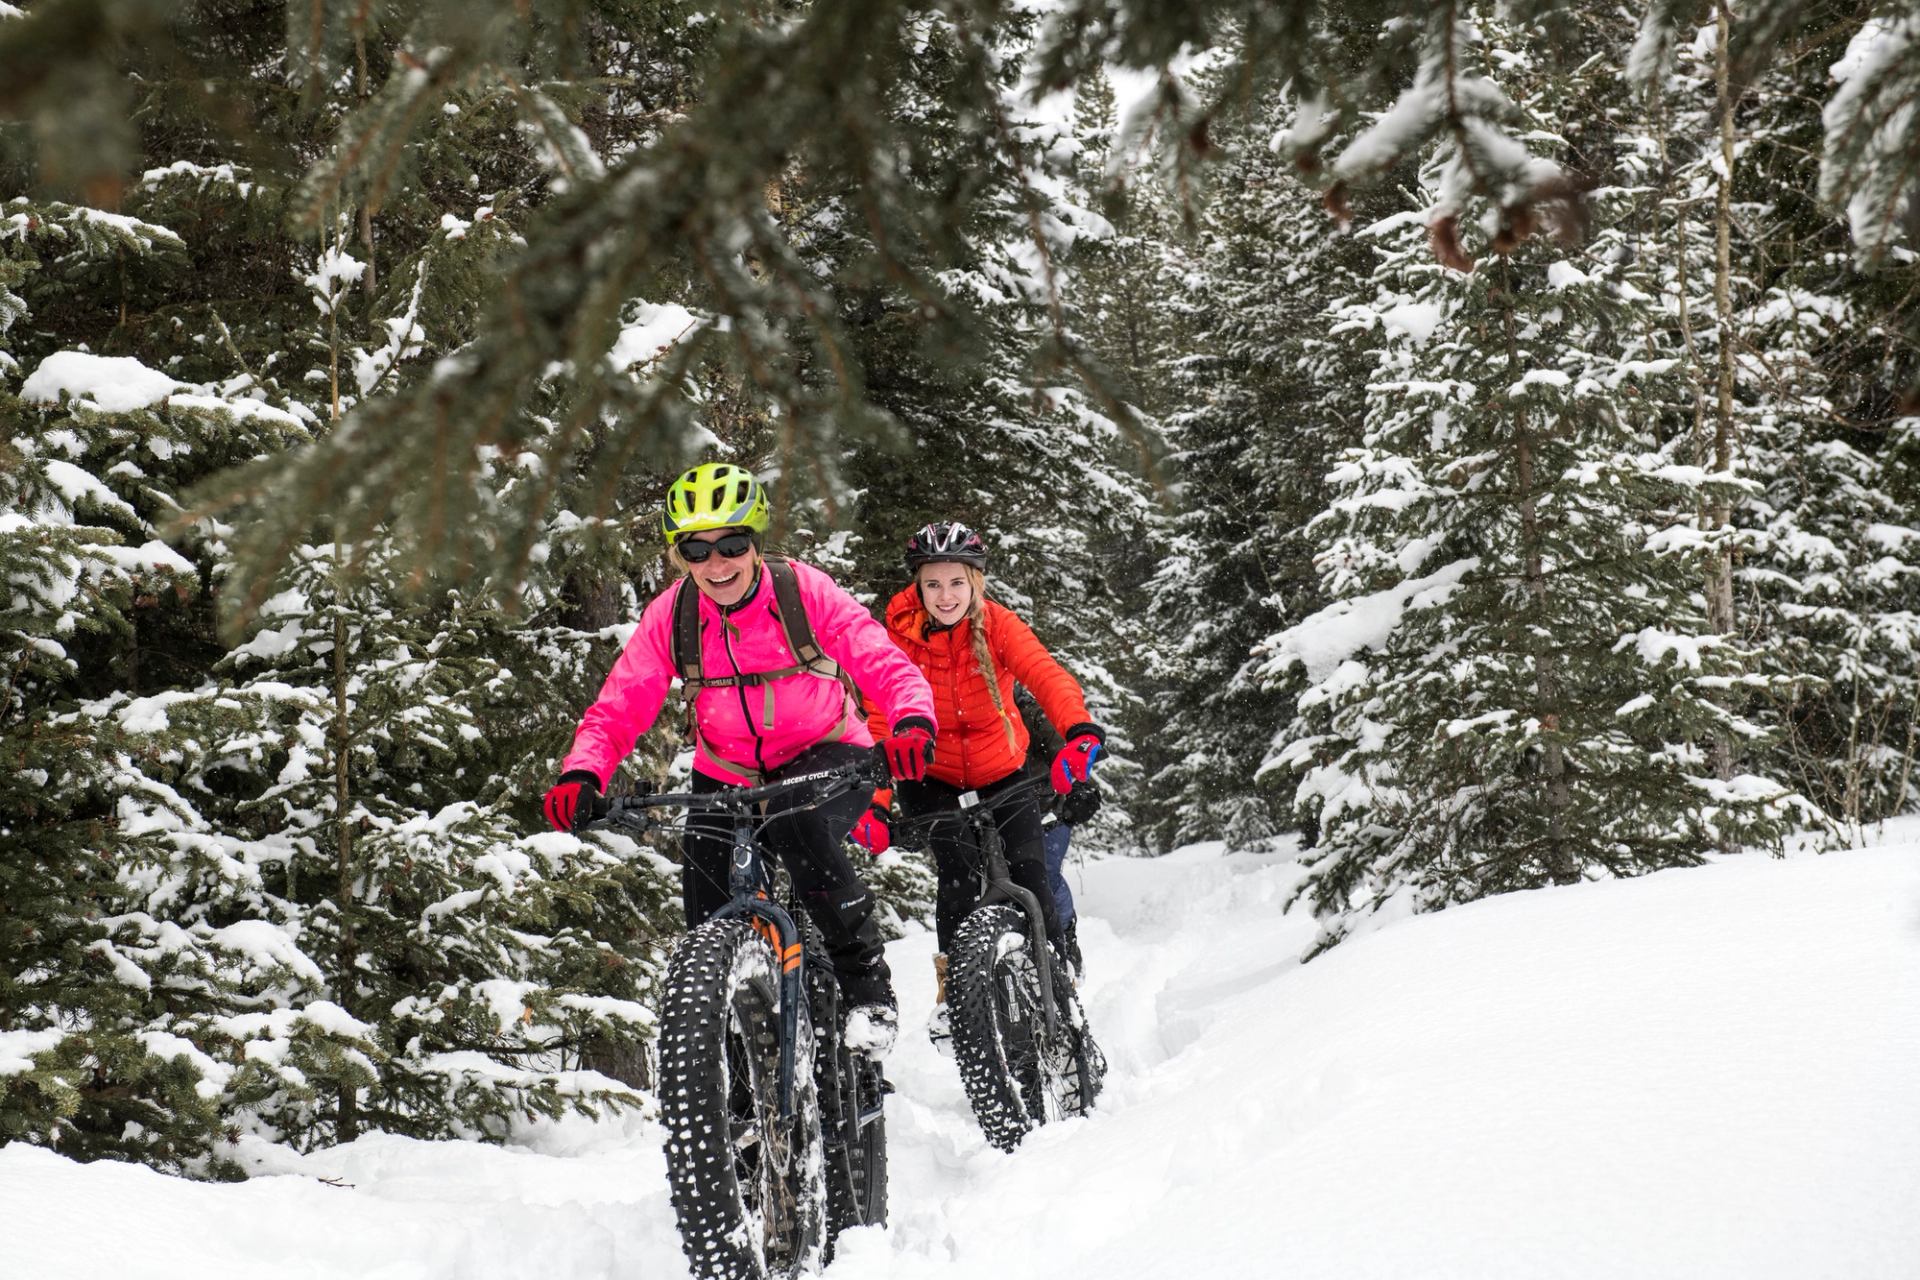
(1481, 438)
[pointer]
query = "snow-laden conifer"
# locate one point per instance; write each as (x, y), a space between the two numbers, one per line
(114, 1000)
(1516, 683)
(1262, 396)
(1823, 578)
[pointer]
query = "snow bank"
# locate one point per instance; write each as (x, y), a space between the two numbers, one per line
(1702, 1073)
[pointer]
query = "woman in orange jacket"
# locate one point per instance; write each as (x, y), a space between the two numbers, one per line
(972, 650)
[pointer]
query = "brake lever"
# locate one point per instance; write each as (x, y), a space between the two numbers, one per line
(638, 821)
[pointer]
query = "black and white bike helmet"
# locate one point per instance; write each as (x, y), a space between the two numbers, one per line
(946, 542)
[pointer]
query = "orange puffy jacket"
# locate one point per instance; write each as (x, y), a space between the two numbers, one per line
(973, 748)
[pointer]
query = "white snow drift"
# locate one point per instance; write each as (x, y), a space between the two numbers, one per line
(1705, 1073)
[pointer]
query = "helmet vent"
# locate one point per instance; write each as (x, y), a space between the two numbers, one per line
(714, 495)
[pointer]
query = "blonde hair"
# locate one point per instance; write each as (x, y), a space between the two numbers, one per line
(977, 615)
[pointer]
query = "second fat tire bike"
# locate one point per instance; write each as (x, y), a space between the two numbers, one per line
(1020, 1037)
(776, 1139)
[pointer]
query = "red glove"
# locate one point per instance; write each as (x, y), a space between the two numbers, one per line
(571, 799)
(1075, 761)
(871, 832)
(909, 750)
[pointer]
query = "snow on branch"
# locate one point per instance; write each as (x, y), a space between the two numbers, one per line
(1871, 166)
(1335, 634)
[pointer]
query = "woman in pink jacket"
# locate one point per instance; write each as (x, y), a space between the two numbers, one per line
(782, 720)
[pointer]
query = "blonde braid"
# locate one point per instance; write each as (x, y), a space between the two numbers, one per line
(977, 615)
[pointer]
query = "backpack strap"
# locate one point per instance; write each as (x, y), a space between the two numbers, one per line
(809, 657)
(685, 643)
(799, 628)
(685, 650)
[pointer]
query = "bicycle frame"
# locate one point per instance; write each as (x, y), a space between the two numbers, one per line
(1001, 888)
(748, 879)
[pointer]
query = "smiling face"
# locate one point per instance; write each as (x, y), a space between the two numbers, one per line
(723, 579)
(946, 590)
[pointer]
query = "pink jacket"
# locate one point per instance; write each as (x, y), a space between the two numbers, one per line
(752, 728)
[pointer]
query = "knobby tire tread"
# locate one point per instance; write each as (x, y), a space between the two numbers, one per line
(999, 1080)
(719, 969)
(856, 1157)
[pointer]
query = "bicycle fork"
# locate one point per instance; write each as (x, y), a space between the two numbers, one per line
(1000, 880)
(745, 877)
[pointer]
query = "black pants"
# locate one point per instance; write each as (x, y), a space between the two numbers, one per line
(957, 861)
(808, 844)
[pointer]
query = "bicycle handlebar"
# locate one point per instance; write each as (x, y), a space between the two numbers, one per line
(970, 802)
(829, 784)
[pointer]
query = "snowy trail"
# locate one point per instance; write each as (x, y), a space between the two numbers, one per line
(1705, 1073)
(1165, 941)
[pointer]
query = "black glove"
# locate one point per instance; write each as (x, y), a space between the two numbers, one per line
(1078, 805)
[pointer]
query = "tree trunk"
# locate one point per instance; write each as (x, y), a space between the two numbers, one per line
(1720, 615)
(370, 282)
(619, 1059)
(347, 1118)
(348, 1127)
(1557, 858)
(592, 603)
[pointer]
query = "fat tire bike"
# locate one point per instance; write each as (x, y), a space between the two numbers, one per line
(776, 1138)
(1020, 1037)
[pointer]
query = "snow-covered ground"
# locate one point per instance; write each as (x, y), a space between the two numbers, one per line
(1704, 1073)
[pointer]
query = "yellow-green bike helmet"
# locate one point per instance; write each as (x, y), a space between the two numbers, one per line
(714, 495)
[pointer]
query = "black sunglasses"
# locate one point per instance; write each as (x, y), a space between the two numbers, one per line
(732, 546)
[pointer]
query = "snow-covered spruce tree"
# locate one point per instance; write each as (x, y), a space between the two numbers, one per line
(1831, 589)
(87, 1044)
(1793, 356)
(1835, 594)
(117, 1011)
(234, 1002)
(1264, 398)
(118, 998)
(1113, 274)
(1120, 265)
(1690, 151)
(1516, 684)
(1114, 279)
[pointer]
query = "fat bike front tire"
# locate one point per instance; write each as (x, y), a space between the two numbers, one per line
(748, 1187)
(1015, 1075)
(852, 1090)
